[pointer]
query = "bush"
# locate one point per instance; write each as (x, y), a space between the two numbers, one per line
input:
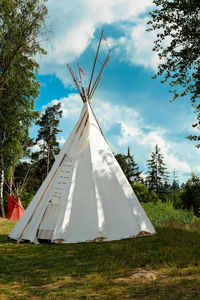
(143, 194)
(26, 198)
(190, 195)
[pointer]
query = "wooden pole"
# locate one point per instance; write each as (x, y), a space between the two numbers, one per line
(89, 87)
(31, 217)
(80, 76)
(75, 81)
(2, 210)
(17, 204)
(83, 91)
(97, 122)
(98, 77)
(24, 183)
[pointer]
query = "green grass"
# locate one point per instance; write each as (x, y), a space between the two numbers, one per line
(164, 266)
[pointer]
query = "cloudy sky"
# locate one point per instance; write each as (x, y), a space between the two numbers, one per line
(132, 108)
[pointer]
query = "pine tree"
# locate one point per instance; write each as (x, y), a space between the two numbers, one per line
(157, 174)
(129, 167)
(47, 136)
(121, 158)
(133, 173)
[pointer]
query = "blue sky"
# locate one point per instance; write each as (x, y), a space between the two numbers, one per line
(132, 108)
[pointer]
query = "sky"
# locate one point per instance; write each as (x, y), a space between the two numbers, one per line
(132, 108)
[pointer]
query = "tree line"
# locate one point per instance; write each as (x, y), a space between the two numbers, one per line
(150, 186)
(154, 185)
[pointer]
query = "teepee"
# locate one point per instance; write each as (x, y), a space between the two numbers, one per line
(85, 197)
(15, 208)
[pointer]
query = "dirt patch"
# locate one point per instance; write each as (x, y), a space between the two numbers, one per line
(3, 220)
(57, 284)
(142, 275)
(68, 254)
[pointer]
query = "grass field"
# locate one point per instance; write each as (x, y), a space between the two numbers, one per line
(164, 266)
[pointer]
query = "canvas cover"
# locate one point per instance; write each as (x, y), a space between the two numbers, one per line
(15, 209)
(86, 196)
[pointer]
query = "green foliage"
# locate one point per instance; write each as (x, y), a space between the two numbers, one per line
(37, 168)
(129, 167)
(190, 195)
(160, 213)
(121, 158)
(20, 27)
(196, 137)
(177, 24)
(24, 170)
(26, 197)
(143, 194)
(47, 136)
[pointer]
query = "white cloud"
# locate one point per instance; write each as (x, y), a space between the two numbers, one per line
(37, 146)
(61, 140)
(135, 46)
(74, 23)
(70, 105)
(109, 114)
(147, 142)
(139, 49)
(174, 163)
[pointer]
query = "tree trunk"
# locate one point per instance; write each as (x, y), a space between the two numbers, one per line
(2, 210)
(11, 184)
(48, 158)
(3, 134)
(48, 150)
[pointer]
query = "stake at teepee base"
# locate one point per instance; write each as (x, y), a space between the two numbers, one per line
(85, 197)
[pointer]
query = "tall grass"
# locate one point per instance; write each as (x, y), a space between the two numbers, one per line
(159, 213)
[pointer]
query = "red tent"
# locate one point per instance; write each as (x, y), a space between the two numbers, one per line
(15, 208)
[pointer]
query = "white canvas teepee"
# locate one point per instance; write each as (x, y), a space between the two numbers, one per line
(86, 196)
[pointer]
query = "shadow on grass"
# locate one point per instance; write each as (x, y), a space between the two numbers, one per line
(32, 267)
(4, 238)
(170, 288)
